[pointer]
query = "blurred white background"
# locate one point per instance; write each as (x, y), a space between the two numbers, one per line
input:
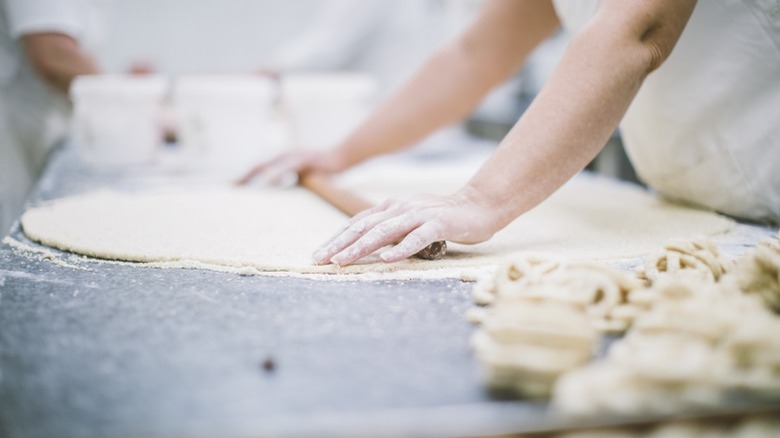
(211, 36)
(387, 39)
(201, 36)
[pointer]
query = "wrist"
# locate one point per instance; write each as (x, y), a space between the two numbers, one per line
(496, 213)
(335, 161)
(347, 154)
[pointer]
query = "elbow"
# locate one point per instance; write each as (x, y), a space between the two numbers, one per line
(641, 50)
(650, 29)
(656, 47)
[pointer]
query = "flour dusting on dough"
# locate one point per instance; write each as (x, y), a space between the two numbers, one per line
(250, 230)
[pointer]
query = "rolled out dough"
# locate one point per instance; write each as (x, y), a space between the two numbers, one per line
(277, 229)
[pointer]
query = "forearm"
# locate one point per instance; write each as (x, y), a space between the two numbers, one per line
(455, 79)
(58, 59)
(442, 92)
(577, 111)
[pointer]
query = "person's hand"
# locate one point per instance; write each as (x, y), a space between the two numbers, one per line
(289, 165)
(411, 225)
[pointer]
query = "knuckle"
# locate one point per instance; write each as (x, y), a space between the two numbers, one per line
(355, 226)
(361, 227)
(383, 230)
(415, 239)
(436, 227)
(397, 202)
(343, 240)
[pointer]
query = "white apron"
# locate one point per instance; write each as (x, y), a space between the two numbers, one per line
(705, 127)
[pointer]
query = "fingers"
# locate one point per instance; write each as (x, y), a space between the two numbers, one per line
(383, 234)
(355, 228)
(277, 171)
(282, 176)
(284, 169)
(384, 206)
(413, 243)
(347, 236)
(249, 176)
(412, 222)
(409, 225)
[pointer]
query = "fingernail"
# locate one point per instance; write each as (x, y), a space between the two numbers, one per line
(338, 261)
(318, 256)
(386, 256)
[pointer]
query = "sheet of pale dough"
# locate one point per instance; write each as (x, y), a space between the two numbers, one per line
(278, 229)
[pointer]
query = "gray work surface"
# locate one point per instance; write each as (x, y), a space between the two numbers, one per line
(122, 350)
(117, 350)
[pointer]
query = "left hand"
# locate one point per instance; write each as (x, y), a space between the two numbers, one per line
(411, 225)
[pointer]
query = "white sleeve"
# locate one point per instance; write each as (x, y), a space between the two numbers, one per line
(37, 16)
(336, 37)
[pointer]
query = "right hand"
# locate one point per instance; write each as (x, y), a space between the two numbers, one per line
(288, 165)
(412, 224)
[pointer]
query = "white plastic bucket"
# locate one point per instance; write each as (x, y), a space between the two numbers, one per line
(324, 108)
(226, 121)
(117, 118)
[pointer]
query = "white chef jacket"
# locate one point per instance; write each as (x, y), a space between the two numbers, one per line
(32, 116)
(705, 127)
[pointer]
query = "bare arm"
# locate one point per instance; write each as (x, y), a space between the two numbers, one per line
(565, 127)
(456, 78)
(583, 103)
(57, 58)
(446, 88)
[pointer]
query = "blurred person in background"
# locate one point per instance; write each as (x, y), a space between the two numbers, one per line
(44, 45)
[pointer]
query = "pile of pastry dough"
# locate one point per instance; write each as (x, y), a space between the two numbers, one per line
(698, 258)
(525, 345)
(758, 272)
(605, 295)
(698, 345)
(699, 330)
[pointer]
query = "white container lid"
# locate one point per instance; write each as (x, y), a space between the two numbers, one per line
(223, 86)
(328, 86)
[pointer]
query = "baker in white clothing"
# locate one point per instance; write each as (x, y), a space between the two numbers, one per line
(44, 44)
(694, 86)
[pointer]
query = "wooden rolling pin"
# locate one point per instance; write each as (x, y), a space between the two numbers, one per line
(351, 204)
